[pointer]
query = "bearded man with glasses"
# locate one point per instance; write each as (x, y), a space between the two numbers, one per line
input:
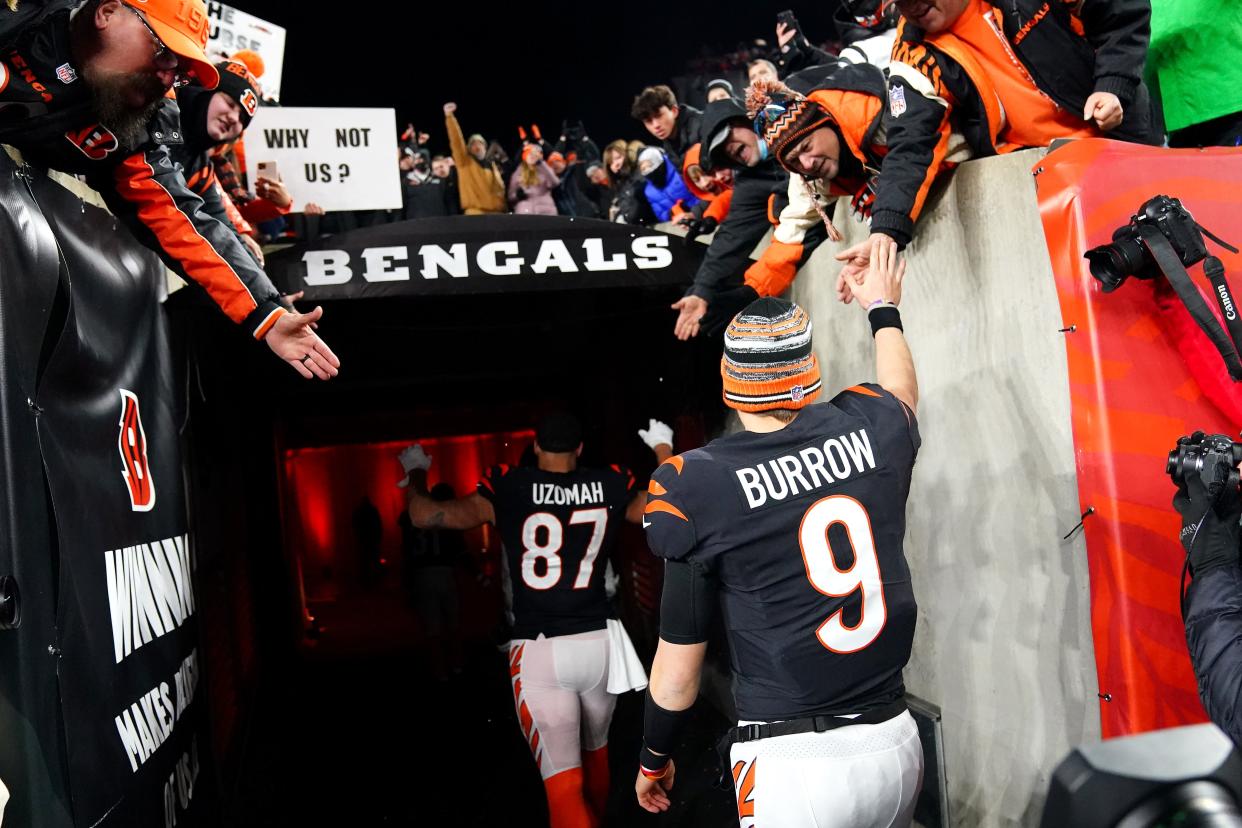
(85, 88)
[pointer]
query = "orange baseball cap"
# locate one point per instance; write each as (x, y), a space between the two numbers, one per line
(184, 28)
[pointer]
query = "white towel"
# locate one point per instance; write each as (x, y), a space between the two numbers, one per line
(625, 671)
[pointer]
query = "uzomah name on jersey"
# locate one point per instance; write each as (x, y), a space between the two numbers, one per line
(808, 469)
(549, 494)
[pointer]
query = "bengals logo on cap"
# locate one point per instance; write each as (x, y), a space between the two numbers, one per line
(95, 141)
(249, 102)
(132, 444)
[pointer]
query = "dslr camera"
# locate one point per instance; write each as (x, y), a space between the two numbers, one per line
(1203, 455)
(1129, 256)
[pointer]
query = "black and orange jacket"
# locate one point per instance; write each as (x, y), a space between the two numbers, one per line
(942, 105)
(193, 155)
(854, 97)
(46, 111)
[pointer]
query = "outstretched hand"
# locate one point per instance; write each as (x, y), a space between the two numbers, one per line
(885, 270)
(691, 310)
(856, 260)
(656, 434)
(293, 339)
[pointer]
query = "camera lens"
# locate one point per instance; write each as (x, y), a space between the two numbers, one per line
(1171, 467)
(1106, 266)
(1192, 805)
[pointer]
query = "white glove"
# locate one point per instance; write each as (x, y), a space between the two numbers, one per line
(414, 458)
(656, 433)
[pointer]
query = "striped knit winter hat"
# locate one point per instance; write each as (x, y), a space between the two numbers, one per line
(782, 117)
(767, 360)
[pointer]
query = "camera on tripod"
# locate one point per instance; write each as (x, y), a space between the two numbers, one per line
(1129, 256)
(1207, 455)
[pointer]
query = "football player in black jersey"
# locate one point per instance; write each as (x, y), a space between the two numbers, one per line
(795, 526)
(567, 660)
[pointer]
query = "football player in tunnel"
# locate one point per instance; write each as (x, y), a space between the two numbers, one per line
(795, 527)
(567, 659)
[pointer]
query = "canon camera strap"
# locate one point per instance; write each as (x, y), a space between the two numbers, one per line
(1173, 269)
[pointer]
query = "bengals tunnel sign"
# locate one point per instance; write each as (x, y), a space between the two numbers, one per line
(484, 254)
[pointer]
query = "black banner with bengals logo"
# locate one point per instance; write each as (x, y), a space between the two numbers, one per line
(484, 254)
(123, 649)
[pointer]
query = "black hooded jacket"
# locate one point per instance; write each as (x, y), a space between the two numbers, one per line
(759, 194)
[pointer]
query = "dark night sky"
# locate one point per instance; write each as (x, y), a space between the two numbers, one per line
(537, 62)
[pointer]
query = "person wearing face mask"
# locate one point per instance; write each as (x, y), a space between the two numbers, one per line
(1002, 77)
(84, 89)
(759, 186)
(830, 138)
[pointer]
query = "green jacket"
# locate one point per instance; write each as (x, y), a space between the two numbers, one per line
(1195, 59)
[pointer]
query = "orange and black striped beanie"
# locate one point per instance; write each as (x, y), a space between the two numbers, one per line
(782, 116)
(767, 360)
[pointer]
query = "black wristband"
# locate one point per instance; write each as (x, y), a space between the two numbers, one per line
(661, 728)
(886, 316)
(652, 761)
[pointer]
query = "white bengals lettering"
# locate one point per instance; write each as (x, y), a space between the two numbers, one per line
(811, 468)
(499, 258)
(150, 591)
(549, 494)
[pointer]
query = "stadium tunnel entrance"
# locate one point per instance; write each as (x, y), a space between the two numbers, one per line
(295, 610)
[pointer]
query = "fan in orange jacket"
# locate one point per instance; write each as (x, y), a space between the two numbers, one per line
(714, 190)
(826, 127)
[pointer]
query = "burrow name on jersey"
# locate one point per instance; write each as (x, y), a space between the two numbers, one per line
(811, 468)
(549, 494)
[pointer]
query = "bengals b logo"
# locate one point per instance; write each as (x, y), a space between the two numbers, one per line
(249, 102)
(94, 141)
(132, 443)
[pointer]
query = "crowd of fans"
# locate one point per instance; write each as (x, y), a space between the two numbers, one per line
(921, 85)
(916, 87)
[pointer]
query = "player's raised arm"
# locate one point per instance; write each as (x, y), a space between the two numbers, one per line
(879, 294)
(659, 436)
(425, 513)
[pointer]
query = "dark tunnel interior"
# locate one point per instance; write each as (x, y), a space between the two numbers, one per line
(329, 705)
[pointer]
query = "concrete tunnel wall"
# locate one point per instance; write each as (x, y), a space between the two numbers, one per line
(1004, 644)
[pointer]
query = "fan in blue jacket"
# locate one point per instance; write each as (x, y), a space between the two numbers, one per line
(665, 187)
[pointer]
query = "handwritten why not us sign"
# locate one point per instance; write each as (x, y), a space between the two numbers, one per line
(340, 159)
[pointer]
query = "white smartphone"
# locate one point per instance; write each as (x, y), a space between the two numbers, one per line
(267, 169)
